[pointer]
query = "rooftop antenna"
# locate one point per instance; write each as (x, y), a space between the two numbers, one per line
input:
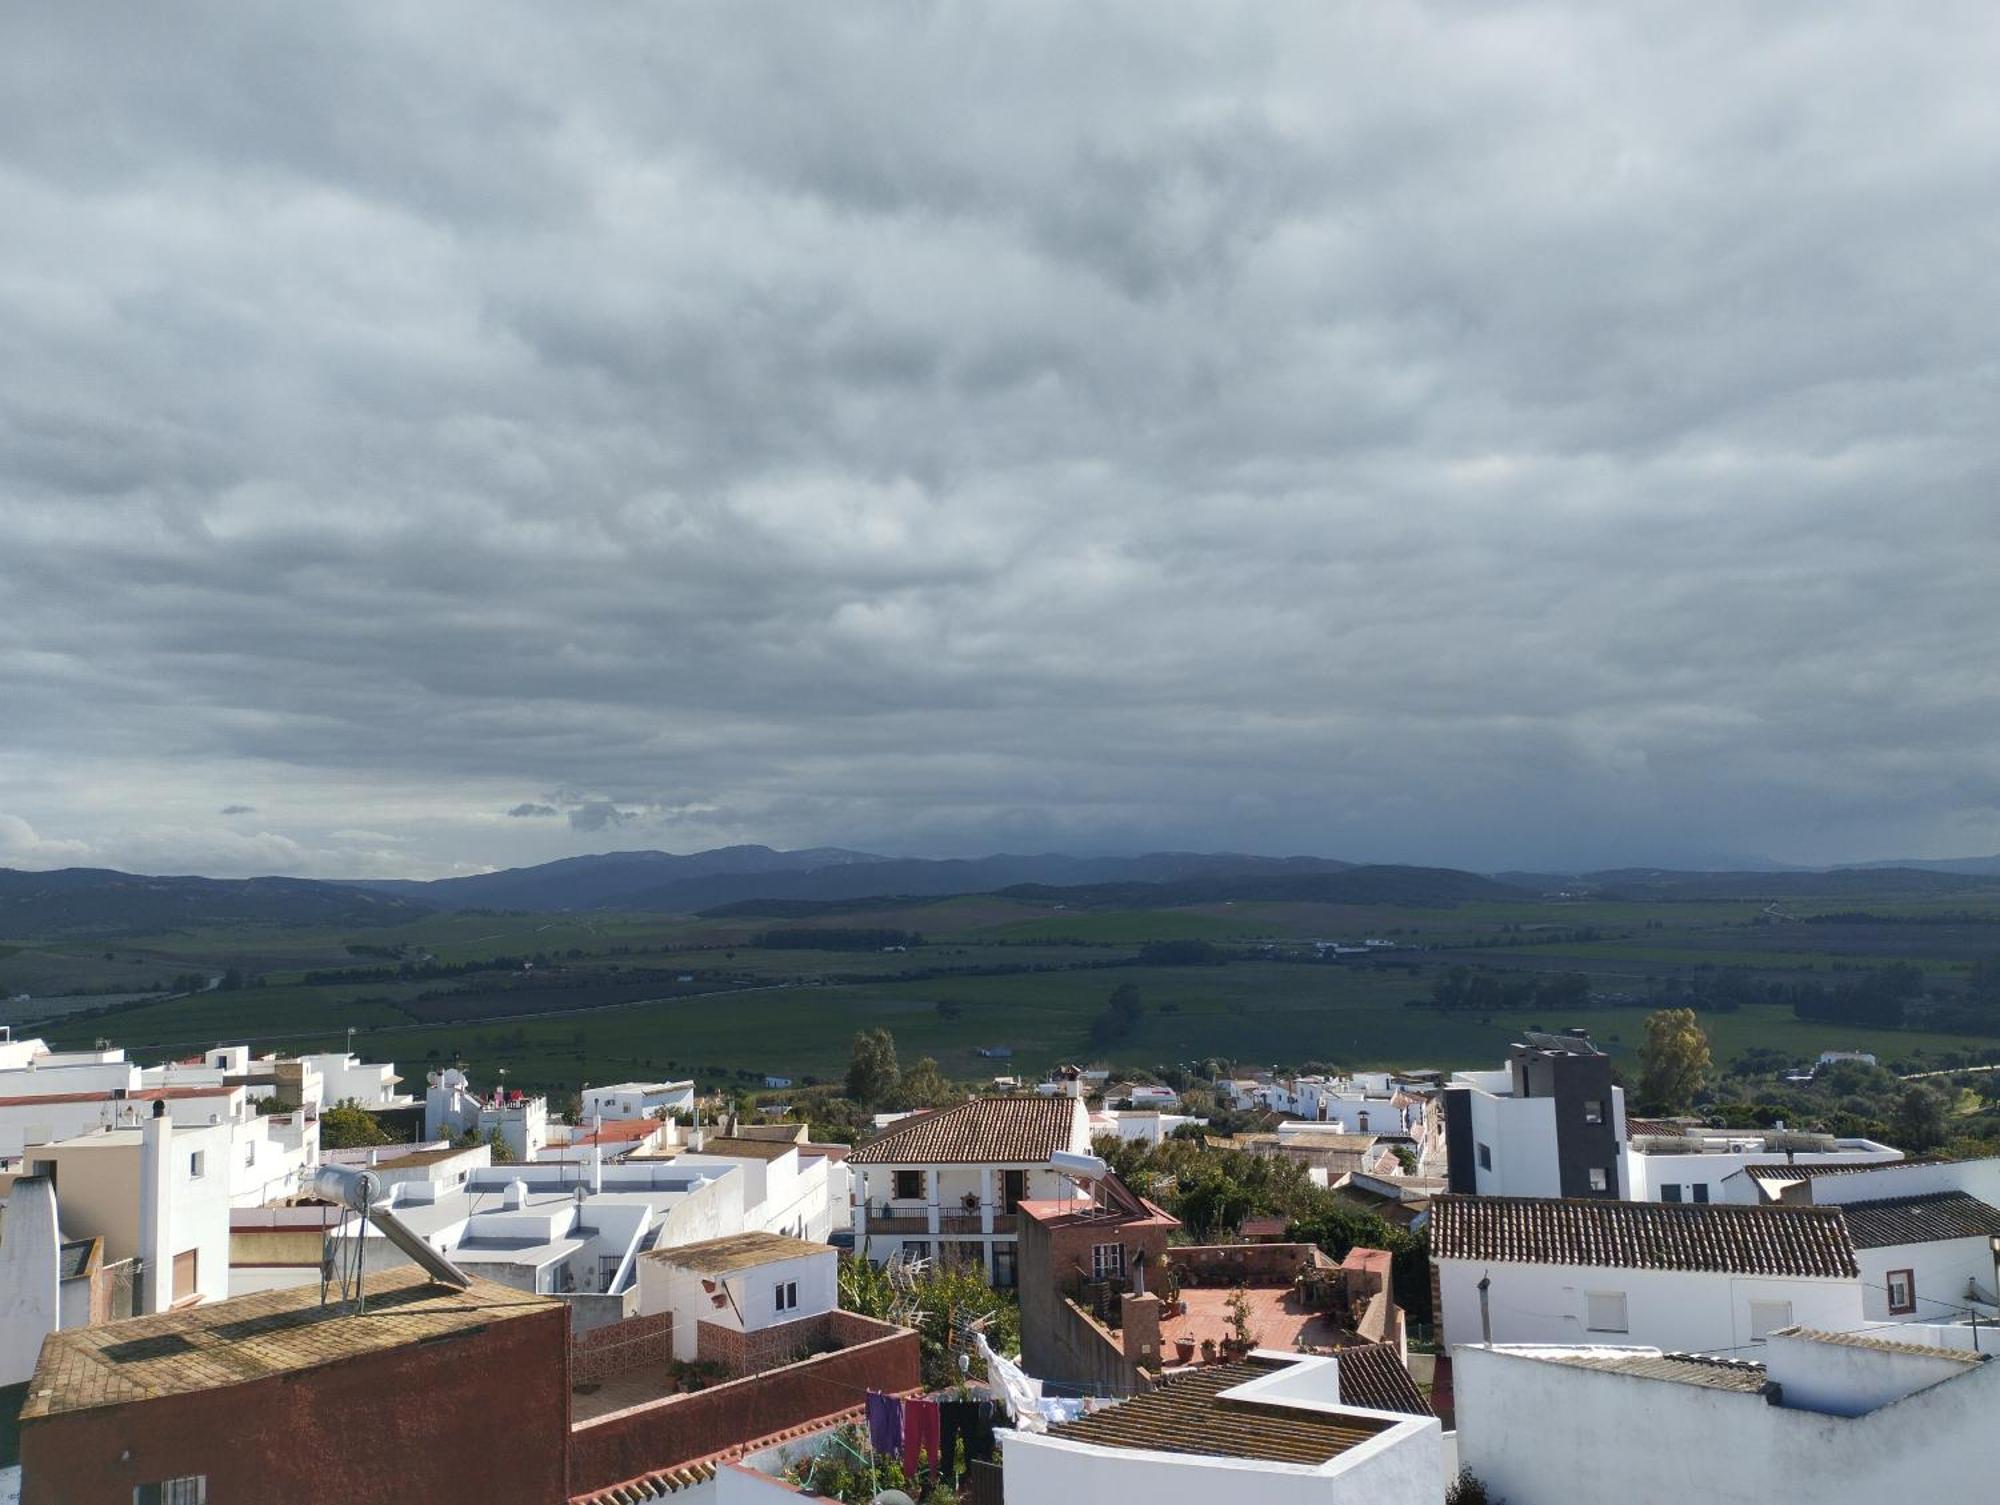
(361, 1192)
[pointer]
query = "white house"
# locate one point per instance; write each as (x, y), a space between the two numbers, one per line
(626, 1100)
(1140, 1125)
(948, 1185)
(1275, 1428)
(1687, 1278)
(1548, 1124)
(723, 1290)
(1834, 1418)
(452, 1108)
(1697, 1165)
(787, 1188)
(572, 1230)
(157, 1192)
(346, 1078)
(1924, 1234)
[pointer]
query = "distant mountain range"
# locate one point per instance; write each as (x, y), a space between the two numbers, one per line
(757, 879)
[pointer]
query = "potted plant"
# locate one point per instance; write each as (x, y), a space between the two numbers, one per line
(1241, 1338)
(1184, 1350)
(1208, 1350)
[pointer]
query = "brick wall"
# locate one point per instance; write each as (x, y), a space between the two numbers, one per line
(1249, 1264)
(678, 1429)
(605, 1350)
(769, 1348)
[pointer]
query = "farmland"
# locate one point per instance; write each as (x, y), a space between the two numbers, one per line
(563, 999)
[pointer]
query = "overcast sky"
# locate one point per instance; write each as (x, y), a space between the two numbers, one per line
(446, 436)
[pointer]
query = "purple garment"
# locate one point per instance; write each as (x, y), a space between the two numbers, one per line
(885, 1423)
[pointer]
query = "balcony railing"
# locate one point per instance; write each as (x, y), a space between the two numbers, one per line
(953, 1218)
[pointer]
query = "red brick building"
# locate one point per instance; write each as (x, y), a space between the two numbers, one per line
(431, 1393)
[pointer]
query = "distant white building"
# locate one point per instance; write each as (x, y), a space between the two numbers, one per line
(1697, 1279)
(1275, 1428)
(1140, 1125)
(787, 1186)
(627, 1100)
(949, 1184)
(453, 1109)
(1836, 1418)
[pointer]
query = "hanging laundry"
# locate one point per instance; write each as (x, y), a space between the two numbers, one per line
(885, 1423)
(921, 1424)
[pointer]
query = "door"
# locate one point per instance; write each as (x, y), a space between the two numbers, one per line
(1013, 1189)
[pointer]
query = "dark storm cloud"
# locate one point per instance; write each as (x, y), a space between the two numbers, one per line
(1495, 435)
(239, 809)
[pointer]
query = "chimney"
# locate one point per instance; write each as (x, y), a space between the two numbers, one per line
(156, 1291)
(516, 1195)
(1485, 1310)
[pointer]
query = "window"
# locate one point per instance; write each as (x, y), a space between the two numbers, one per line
(1593, 1111)
(916, 1248)
(1670, 1191)
(909, 1186)
(1361, 1122)
(1604, 1312)
(1701, 1191)
(197, 1165)
(1902, 1292)
(1600, 1178)
(1766, 1317)
(1005, 1276)
(1107, 1262)
(190, 1489)
(1486, 1157)
(788, 1296)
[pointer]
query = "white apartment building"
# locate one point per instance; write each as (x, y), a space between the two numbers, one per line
(1835, 1418)
(346, 1078)
(624, 1100)
(1548, 1124)
(452, 1109)
(787, 1189)
(1279, 1429)
(949, 1184)
(1687, 1278)
(1140, 1125)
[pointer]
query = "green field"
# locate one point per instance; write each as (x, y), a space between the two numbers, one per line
(1028, 975)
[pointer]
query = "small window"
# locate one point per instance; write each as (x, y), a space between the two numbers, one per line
(1600, 1178)
(916, 1248)
(1604, 1312)
(1766, 1317)
(1107, 1262)
(1486, 1157)
(909, 1186)
(1701, 1191)
(197, 1165)
(787, 1299)
(1593, 1111)
(1670, 1191)
(190, 1489)
(1902, 1292)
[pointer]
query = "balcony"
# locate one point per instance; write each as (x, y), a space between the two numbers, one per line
(884, 1217)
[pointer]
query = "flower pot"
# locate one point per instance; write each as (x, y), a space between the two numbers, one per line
(1184, 1350)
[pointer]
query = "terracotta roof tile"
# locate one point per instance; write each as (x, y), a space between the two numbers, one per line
(987, 1131)
(1930, 1219)
(1186, 1414)
(1372, 1376)
(1802, 1241)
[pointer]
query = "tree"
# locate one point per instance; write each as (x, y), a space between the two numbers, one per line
(503, 1152)
(1122, 1011)
(1917, 1122)
(872, 1072)
(925, 1086)
(349, 1126)
(950, 1297)
(1674, 1062)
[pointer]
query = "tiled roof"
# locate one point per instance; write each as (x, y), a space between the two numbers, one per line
(735, 1251)
(1802, 1241)
(987, 1131)
(1877, 1343)
(1919, 1220)
(248, 1338)
(1372, 1376)
(1186, 1414)
(1679, 1368)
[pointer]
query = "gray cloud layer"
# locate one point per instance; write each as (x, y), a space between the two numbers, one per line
(1479, 434)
